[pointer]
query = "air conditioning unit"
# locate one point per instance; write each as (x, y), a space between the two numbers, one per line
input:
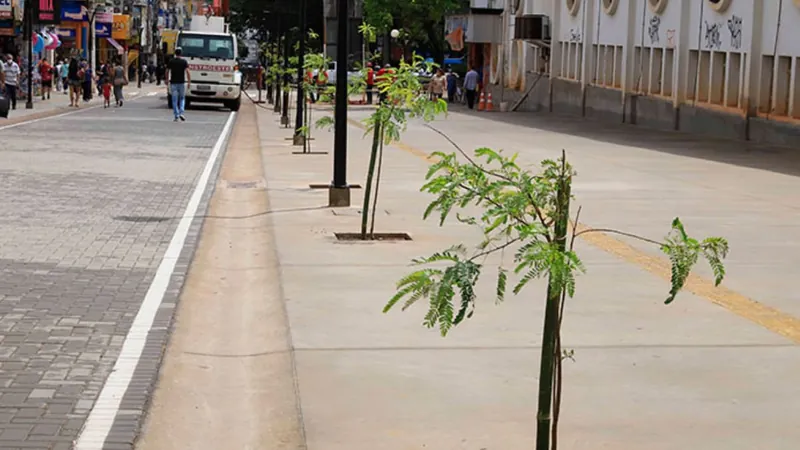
(532, 27)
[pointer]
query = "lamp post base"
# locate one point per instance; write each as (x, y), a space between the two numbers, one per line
(339, 197)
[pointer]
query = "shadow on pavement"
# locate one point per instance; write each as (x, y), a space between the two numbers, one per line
(784, 160)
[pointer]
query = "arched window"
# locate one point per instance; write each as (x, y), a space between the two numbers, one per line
(657, 6)
(610, 6)
(719, 5)
(573, 6)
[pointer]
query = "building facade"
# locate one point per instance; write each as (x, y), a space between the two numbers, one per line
(728, 68)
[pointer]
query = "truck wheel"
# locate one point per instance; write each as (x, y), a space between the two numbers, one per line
(234, 105)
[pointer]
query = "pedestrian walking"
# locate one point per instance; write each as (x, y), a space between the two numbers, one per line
(119, 80)
(370, 82)
(64, 77)
(471, 87)
(177, 79)
(102, 77)
(57, 76)
(437, 85)
(10, 79)
(159, 73)
(105, 86)
(452, 85)
(74, 76)
(88, 80)
(46, 72)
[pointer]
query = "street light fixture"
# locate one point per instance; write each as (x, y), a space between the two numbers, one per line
(395, 34)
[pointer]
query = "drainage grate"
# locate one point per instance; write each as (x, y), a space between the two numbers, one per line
(142, 219)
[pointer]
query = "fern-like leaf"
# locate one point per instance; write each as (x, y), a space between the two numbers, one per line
(502, 281)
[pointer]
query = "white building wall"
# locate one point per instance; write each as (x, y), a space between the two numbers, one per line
(744, 60)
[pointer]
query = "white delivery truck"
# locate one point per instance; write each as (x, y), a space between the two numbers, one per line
(212, 53)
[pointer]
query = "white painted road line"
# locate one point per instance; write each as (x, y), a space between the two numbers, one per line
(101, 418)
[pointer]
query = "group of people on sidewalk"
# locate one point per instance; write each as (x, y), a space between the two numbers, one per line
(439, 84)
(78, 79)
(75, 78)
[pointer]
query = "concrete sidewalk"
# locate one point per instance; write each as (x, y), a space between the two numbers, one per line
(690, 375)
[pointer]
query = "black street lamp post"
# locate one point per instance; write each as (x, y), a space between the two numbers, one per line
(28, 13)
(339, 194)
(285, 84)
(299, 137)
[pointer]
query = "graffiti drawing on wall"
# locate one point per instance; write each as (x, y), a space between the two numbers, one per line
(670, 38)
(575, 35)
(653, 29)
(735, 27)
(712, 36)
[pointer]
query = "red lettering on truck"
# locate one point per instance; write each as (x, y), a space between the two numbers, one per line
(210, 68)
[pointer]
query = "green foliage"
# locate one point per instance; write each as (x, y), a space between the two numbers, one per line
(406, 99)
(684, 251)
(403, 99)
(422, 21)
(517, 210)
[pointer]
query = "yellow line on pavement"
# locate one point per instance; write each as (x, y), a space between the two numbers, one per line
(770, 318)
(745, 307)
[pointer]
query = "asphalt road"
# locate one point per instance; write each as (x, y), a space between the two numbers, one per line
(91, 201)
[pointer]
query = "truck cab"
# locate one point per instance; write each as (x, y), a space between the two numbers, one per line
(212, 54)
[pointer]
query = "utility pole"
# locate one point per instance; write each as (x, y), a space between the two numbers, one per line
(299, 137)
(339, 193)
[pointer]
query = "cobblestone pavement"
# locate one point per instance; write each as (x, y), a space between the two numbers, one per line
(89, 204)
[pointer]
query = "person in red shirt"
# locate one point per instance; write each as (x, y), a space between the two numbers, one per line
(380, 78)
(46, 71)
(370, 82)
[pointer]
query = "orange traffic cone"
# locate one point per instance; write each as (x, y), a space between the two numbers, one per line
(489, 103)
(482, 102)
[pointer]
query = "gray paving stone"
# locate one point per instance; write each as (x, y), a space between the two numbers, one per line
(77, 255)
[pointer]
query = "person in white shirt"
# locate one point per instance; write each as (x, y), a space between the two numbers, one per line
(58, 86)
(10, 79)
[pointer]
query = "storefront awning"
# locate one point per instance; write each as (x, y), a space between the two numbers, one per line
(116, 45)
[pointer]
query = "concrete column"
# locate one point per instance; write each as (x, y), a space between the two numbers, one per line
(681, 68)
(752, 76)
(555, 48)
(591, 9)
(628, 64)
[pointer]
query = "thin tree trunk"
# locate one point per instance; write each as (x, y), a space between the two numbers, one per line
(558, 382)
(551, 320)
(377, 188)
(376, 135)
(307, 140)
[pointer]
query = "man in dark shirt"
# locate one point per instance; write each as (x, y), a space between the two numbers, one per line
(177, 79)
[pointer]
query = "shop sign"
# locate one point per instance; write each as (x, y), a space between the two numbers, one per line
(47, 12)
(5, 9)
(104, 15)
(102, 30)
(65, 33)
(122, 27)
(73, 12)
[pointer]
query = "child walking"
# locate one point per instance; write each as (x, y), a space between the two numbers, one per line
(106, 85)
